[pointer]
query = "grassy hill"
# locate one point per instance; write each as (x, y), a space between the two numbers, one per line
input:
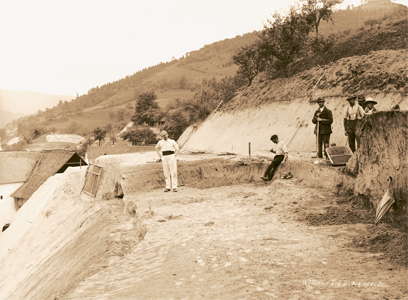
(113, 103)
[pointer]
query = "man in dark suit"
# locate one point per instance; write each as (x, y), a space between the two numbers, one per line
(323, 118)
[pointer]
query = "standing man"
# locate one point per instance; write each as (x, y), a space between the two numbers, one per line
(362, 101)
(281, 154)
(354, 113)
(166, 150)
(323, 118)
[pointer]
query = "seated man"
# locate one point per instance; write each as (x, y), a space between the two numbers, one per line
(281, 154)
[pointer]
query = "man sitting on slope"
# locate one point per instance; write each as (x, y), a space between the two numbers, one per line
(281, 154)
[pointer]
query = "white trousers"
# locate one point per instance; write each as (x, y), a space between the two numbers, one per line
(169, 163)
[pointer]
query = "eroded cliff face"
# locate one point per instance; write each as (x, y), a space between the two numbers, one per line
(383, 153)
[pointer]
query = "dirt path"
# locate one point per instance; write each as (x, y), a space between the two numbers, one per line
(243, 242)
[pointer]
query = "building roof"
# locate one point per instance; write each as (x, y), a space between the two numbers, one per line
(16, 166)
(49, 163)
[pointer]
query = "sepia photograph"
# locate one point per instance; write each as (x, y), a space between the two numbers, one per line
(204, 150)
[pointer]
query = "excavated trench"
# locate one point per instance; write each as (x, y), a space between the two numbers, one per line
(71, 237)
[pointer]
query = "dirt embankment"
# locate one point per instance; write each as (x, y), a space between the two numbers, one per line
(382, 154)
(282, 106)
(58, 238)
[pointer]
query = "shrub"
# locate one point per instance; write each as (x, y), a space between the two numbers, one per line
(140, 135)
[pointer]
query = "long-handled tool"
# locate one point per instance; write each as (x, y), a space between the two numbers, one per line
(317, 138)
(385, 204)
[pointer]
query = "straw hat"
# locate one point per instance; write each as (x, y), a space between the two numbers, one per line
(370, 100)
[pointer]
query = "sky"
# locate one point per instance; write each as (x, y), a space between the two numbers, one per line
(67, 47)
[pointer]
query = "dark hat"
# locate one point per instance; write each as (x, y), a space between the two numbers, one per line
(352, 97)
(361, 99)
(320, 100)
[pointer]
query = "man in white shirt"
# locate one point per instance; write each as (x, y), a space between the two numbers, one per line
(281, 154)
(354, 113)
(166, 150)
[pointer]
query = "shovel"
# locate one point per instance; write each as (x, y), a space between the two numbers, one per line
(385, 204)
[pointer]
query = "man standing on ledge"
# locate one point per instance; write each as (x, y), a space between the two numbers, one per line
(281, 154)
(323, 118)
(354, 113)
(166, 150)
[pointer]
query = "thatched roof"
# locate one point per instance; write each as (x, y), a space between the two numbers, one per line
(16, 166)
(48, 146)
(49, 163)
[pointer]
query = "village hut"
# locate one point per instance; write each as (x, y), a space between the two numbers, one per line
(48, 164)
(15, 168)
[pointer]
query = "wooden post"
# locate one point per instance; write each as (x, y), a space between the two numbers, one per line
(249, 149)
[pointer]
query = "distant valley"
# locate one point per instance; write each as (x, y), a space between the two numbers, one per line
(14, 104)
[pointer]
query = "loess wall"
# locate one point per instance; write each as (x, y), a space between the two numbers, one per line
(383, 153)
(231, 131)
(282, 106)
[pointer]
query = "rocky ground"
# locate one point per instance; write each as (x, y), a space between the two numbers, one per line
(252, 241)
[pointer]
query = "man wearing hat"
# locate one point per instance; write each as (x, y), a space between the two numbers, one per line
(369, 106)
(362, 101)
(323, 118)
(354, 113)
(166, 150)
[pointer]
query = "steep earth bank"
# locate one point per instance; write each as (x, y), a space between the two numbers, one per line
(383, 154)
(282, 106)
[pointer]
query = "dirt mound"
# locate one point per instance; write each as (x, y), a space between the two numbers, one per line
(378, 72)
(387, 240)
(337, 215)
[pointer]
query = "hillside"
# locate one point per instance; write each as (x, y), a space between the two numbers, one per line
(179, 79)
(282, 106)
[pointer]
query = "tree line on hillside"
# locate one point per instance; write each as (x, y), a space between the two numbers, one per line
(285, 39)
(292, 43)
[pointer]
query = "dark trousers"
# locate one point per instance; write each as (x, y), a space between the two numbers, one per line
(323, 139)
(352, 135)
(270, 171)
(353, 139)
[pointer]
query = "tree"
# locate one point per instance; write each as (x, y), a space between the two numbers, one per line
(283, 39)
(317, 10)
(176, 123)
(140, 135)
(250, 62)
(147, 110)
(99, 134)
(28, 133)
(111, 131)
